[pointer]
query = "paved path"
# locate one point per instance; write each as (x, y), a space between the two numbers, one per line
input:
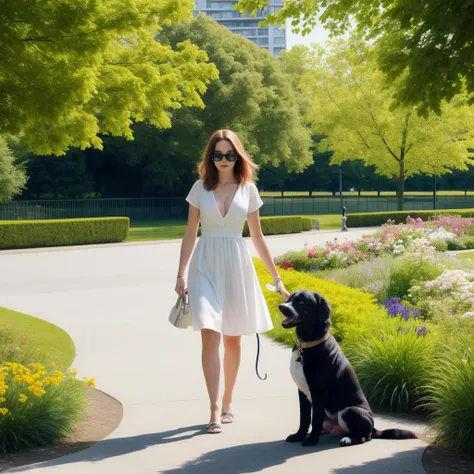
(114, 303)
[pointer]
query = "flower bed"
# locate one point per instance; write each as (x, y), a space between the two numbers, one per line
(38, 405)
(422, 358)
(441, 234)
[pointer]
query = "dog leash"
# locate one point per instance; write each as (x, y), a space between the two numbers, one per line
(271, 288)
(256, 361)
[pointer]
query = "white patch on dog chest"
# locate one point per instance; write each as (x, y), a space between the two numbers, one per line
(296, 371)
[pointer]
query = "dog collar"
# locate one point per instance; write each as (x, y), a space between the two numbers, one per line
(308, 345)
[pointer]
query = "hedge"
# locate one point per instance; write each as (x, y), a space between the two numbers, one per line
(52, 233)
(379, 218)
(281, 225)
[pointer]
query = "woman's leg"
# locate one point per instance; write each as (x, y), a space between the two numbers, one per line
(211, 368)
(231, 368)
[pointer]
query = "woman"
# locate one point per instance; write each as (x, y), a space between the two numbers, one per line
(224, 293)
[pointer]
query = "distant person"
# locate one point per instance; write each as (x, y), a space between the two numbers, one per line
(224, 293)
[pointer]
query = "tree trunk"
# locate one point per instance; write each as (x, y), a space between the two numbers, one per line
(310, 193)
(401, 186)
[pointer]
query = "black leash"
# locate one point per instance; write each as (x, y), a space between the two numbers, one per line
(256, 361)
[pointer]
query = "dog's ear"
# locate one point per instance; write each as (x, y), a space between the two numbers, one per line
(323, 306)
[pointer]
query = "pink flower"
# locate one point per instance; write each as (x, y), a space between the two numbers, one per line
(326, 252)
(286, 265)
(364, 256)
(312, 254)
(350, 262)
(419, 220)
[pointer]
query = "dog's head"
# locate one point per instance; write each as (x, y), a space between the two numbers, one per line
(307, 311)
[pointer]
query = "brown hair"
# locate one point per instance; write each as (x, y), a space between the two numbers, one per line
(243, 168)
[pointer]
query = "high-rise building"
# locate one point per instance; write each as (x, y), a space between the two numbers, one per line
(272, 38)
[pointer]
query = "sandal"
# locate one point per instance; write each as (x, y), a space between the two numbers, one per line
(227, 417)
(214, 427)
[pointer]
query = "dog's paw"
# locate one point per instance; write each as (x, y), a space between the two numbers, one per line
(310, 441)
(346, 441)
(295, 438)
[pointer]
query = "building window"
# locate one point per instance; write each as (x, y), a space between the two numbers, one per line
(246, 33)
(279, 41)
(263, 32)
(277, 51)
(280, 32)
(262, 41)
(240, 24)
(221, 5)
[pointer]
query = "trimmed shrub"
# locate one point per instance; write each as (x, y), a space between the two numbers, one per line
(52, 233)
(281, 225)
(353, 311)
(378, 218)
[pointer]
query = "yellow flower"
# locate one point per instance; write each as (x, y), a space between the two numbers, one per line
(35, 390)
(59, 398)
(22, 398)
(53, 365)
(3, 411)
(2, 400)
(74, 372)
(91, 382)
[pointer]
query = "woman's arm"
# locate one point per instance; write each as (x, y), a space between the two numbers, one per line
(258, 239)
(187, 246)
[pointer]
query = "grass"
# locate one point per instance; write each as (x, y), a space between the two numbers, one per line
(174, 229)
(51, 343)
(366, 193)
(467, 255)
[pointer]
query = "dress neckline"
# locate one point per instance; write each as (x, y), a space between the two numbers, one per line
(231, 203)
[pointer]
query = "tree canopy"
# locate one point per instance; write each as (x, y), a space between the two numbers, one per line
(12, 176)
(352, 108)
(427, 45)
(72, 69)
(252, 96)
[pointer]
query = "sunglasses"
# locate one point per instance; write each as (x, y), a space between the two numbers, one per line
(228, 156)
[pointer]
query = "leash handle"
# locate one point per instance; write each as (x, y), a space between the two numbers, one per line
(257, 358)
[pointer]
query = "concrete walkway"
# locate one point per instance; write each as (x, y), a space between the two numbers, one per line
(114, 302)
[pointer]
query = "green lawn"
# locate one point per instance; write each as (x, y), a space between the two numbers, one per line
(174, 229)
(469, 255)
(36, 334)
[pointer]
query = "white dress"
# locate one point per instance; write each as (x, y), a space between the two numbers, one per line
(224, 292)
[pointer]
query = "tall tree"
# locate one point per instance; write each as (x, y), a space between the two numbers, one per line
(12, 176)
(72, 69)
(252, 96)
(352, 108)
(427, 45)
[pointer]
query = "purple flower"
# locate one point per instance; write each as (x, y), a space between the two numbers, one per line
(395, 307)
(421, 331)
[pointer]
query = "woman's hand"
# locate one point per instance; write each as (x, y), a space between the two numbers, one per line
(281, 288)
(180, 286)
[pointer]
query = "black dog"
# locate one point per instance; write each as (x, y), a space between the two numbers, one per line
(325, 378)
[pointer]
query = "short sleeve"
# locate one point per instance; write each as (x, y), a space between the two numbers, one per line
(193, 196)
(255, 202)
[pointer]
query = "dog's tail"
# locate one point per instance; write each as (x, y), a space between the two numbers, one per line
(393, 434)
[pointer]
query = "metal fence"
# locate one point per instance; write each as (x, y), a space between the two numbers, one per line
(150, 209)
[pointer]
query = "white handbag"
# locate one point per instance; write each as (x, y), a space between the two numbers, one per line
(180, 315)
